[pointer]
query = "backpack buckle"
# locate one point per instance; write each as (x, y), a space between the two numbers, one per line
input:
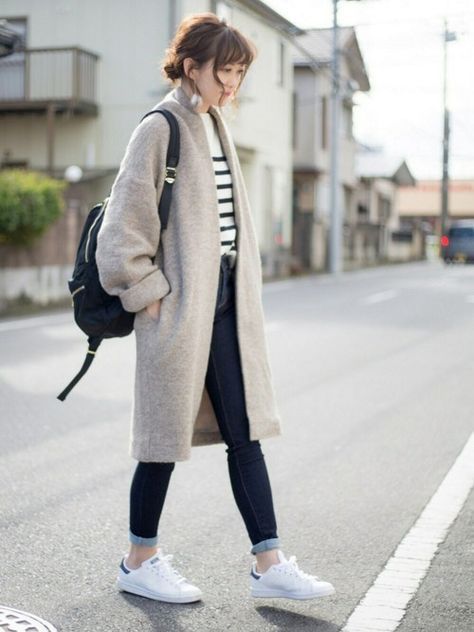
(170, 175)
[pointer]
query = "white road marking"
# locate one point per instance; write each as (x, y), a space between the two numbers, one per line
(39, 321)
(380, 296)
(385, 603)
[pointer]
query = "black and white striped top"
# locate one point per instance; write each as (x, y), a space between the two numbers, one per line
(223, 185)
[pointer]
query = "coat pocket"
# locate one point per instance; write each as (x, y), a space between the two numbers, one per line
(144, 318)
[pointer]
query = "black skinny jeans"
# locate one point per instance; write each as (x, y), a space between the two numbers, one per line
(246, 464)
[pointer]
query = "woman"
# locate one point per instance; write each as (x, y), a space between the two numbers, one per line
(202, 370)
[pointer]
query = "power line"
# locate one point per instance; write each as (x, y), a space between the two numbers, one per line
(403, 21)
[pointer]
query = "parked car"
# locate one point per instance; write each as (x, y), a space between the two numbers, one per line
(458, 244)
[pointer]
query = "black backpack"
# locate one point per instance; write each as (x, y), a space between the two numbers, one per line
(99, 314)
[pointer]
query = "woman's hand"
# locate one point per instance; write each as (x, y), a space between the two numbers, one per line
(153, 310)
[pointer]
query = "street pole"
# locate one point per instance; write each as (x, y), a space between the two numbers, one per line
(335, 214)
(447, 37)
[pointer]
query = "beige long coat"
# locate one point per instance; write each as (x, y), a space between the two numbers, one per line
(171, 409)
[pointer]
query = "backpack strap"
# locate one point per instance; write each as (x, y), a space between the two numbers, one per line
(93, 346)
(172, 160)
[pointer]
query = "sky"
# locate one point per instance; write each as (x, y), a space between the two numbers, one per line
(402, 45)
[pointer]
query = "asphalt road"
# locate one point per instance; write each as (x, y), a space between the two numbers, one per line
(374, 376)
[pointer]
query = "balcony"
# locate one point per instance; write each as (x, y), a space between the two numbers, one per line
(38, 80)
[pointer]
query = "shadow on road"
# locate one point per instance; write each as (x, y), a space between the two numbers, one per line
(165, 616)
(282, 619)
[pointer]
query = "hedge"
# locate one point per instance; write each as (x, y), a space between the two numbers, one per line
(29, 203)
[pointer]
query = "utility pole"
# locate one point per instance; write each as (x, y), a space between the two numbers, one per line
(335, 232)
(335, 212)
(448, 36)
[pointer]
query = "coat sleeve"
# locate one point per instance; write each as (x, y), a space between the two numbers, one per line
(130, 232)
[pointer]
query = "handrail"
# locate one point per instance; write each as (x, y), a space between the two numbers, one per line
(48, 74)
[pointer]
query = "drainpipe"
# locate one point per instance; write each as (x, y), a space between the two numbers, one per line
(51, 113)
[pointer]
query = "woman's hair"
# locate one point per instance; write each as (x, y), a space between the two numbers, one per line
(203, 36)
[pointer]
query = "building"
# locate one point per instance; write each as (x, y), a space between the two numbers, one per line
(88, 73)
(311, 170)
(422, 204)
(376, 234)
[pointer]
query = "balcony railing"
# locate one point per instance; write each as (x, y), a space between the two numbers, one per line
(32, 78)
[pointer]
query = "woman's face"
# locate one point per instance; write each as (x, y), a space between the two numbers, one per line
(211, 92)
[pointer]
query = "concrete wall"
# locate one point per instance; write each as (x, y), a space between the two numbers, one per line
(38, 273)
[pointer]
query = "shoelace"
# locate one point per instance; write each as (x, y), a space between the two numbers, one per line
(164, 562)
(298, 571)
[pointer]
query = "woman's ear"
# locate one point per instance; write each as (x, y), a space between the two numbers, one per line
(188, 68)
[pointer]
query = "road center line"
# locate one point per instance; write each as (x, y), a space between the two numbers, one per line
(379, 297)
(385, 603)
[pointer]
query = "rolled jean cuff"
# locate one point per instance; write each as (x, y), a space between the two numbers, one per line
(136, 539)
(265, 545)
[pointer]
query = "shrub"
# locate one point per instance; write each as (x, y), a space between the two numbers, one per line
(29, 203)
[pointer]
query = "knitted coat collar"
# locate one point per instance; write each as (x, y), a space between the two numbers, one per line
(180, 95)
(181, 103)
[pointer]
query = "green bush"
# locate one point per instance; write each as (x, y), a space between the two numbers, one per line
(29, 203)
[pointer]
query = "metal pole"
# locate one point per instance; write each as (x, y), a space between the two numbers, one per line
(50, 118)
(174, 9)
(445, 179)
(335, 218)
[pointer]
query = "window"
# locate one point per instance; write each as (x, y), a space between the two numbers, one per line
(404, 236)
(12, 67)
(461, 232)
(281, 64)
(347, 203)
(347, 120)
(384, 207)
(293, 129)
(324, 122)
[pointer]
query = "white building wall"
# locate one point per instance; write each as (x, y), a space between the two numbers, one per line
(307, 140)
(262, 130)
(131, 38)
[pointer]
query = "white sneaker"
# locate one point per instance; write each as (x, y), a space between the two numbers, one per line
(157, 579)
(287, 580)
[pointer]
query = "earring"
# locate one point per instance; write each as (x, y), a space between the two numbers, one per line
(196, 99)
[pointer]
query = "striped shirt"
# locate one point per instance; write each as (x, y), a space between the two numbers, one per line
(223, 185)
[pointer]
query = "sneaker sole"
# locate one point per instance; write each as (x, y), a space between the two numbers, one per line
(144, 592)
(287, 595)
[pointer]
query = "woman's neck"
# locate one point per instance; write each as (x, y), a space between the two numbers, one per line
(203, 107)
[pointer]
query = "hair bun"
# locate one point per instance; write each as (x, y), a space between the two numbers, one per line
(202, 37)
(171, 71)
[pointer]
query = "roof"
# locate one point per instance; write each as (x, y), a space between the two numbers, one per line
(272, 17)
(374, 163)
(318, 43)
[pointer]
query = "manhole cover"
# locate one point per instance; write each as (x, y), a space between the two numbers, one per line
(18, 621)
